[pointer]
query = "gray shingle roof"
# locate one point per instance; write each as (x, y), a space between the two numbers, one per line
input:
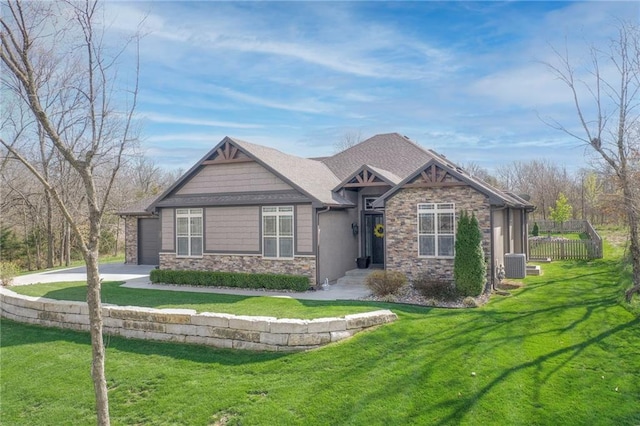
(138, 207)
(392, 156)
(311, 176)
(391, 151)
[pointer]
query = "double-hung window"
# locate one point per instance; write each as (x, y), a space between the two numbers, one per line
(436, 230)
(277, 232)
(189, 232)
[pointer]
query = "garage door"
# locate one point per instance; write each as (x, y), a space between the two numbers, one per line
(148, 241)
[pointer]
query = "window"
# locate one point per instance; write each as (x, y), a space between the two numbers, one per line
(277, 232)
(436, 230)
(189, 232)
(368, 203)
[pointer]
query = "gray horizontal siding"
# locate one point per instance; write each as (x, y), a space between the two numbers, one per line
(304, 228)
(167, 234)
(233, 229)
(235, 177)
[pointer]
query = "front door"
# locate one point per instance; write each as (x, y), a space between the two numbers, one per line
(374, 238)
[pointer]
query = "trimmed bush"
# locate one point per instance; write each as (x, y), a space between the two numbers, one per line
(433, 288)
(230, 279)
(536, 230)
(469, 267)
(8, 271)
(383, 283)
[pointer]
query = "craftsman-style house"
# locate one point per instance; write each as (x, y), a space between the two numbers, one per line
(246, 207)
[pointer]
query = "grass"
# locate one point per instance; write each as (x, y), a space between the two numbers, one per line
(560, 350)
(278, 307)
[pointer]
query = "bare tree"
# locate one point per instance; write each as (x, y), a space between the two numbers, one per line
(55, 61)
(349, 139)
(607, 97)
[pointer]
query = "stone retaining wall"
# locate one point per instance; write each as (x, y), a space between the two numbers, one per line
(187, 326)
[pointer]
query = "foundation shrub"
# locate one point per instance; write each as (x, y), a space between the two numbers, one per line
(230, 279)
(383, 283)
(8, 271)
(434, 288)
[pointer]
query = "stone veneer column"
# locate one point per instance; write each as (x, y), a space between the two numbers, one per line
(131, 240)
(401, 228)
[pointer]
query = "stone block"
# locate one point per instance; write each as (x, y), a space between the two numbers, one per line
(369, 319)
(78, 319)
(253, 346)
(288, 326)
(112, 323)
(336, 336)
(20, 310)
(143, 325)
(230, 333)
(312, 339)
(52, 316)
(184, 329)
(274, 339)
(250, 323)
(322, 325)
(211, 319)
(210, 341)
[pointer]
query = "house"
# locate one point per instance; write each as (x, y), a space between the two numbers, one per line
(246, 207)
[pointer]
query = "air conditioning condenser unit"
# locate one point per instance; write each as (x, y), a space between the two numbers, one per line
(515, 265)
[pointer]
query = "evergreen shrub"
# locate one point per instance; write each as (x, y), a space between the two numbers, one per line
(469, 269)
(230, 279)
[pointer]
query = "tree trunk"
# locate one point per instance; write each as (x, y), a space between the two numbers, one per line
(634, 234)
(67, 244)
(97, 345)
(50, 241)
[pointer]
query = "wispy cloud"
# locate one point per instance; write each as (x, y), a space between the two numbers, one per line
(173, 119)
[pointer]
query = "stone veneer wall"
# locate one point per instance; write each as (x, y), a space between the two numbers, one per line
(305, 266)
(131, 240)
(186, 326)
(401, 228)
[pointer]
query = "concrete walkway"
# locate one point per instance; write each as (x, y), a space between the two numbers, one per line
(137, 276)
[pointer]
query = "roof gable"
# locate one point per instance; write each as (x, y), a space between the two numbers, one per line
(368, 176)
(438, 172)
(309, 177)
(392, 152)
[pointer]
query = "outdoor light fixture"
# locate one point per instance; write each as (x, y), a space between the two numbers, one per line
(354, 228)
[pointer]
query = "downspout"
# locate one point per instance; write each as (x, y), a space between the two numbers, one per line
(318, 212)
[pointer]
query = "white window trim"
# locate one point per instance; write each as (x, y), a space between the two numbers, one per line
(437, 208)
(277, 214)
(191, 213)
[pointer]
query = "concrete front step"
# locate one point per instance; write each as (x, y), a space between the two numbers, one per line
(534, 270)
(356, 276)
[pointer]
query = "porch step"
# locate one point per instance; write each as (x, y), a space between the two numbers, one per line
(534, 270)
(356, 276)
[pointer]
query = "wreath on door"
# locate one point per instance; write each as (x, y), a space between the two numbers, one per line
(378, 231)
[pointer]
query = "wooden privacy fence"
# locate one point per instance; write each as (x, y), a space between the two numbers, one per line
(562, 249)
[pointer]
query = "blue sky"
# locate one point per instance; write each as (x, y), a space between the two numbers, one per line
(463, 78)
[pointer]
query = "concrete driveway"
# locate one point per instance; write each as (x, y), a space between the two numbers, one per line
(137, 276)
(108, 272)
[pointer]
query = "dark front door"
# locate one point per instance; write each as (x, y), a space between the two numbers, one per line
(374, 238)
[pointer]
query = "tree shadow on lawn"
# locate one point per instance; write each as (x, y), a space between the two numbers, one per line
(16, 334)
(460, 407)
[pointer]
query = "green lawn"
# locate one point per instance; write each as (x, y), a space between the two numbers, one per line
(561, 350)
(201, 302)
